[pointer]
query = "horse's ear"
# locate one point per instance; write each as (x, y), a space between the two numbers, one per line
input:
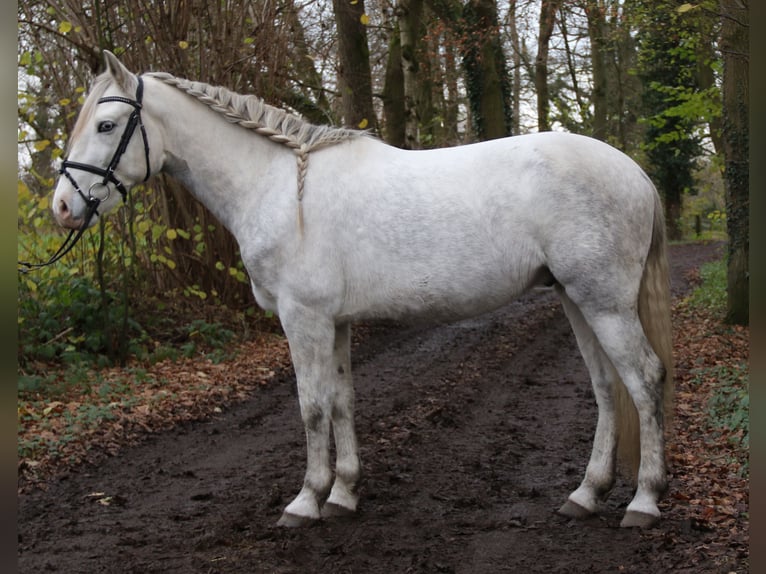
(117, 70)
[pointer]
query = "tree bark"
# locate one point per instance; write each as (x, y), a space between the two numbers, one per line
(409, 13)
(596, 33)
(393, 94)
(354, 74)
(489, 92)
(736, 144)
(487, 82)
(548, 9)
(450, 108)
(516, 60)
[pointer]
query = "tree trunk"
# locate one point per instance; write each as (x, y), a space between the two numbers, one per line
(516, 59)
(429, 119)
(409, 13)
(486, 78)
(393, 94)
(736, 144)
(548, 10)
(354, 74)
(596, 33)
(627, 98)
(451, 105)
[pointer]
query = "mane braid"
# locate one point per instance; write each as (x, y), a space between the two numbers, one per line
(252, 113)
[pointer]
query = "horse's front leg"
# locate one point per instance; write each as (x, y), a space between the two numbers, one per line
(311, 338)
(343, 497)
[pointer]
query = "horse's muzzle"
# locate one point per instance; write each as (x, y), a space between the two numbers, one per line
(64, 216)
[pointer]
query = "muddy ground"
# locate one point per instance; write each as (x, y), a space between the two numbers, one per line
(472, 435)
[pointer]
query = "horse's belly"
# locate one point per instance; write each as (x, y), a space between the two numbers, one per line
(436, 297)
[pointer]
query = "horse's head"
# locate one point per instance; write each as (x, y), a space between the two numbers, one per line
(109, 149)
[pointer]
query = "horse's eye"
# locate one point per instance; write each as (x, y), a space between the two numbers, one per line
(105, 126)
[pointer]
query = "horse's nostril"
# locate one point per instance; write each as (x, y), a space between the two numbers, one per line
(63, 207)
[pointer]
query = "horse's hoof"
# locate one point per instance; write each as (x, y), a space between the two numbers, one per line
(573, 510)
(288, 520)
(633, 519)
(332, 510)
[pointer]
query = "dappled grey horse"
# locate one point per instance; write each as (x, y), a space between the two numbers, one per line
(335, 226)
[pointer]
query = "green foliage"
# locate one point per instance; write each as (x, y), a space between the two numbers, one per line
(77, 309)
(66, 316)
(728, 410)
(64, 320)
(678, 109)
(36, 383)
(84, 418)
(212, 336)
(684, 111)
(729, 407)
(711, 293)
(703, 212)
(68, 321)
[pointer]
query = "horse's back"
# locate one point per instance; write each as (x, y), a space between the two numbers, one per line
(458, 231)
(534, 176)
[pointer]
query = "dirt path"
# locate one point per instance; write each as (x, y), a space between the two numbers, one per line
(473, 435)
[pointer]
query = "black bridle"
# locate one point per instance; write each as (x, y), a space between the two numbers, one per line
(92, 202)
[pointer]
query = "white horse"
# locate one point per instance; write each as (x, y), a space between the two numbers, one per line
(335, 226)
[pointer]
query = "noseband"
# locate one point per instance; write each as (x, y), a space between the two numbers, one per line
(92, 202)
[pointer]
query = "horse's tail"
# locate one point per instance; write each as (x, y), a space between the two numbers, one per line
(654, 313)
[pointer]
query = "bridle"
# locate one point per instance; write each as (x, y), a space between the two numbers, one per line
(92, 201)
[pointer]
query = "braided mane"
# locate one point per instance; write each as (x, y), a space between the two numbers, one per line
(253, 113)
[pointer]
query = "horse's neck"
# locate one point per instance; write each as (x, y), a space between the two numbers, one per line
(229, 169)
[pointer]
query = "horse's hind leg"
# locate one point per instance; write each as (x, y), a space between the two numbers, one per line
(343, 496)
(621, 336)
(600, 473)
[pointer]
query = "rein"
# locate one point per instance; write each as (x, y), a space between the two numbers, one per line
(91, 201)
